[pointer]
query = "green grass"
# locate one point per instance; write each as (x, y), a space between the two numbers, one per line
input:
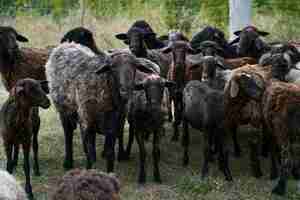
(178, 182)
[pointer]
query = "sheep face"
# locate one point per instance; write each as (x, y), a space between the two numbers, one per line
(123, 68)
(154, 87)
(81, 36)
(31, 92)
(209, 65)
(179, 51)
(250, 85)
(8, 44)
(250, 44)
(210, 48)
(280, 65)
(136, 39)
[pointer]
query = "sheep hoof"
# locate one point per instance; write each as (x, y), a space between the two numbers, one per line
(37, 173)
(278, 190)
(142, 180)
(174, 138)
(30, 196)
(170, 118)
(257, 174)
(103, 154)
(68, 165)
(157, 180)
(273, 175)
(185, 162)
(237, 154)
(122, 156)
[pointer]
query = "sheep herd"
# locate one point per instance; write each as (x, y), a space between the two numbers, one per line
(211, 84)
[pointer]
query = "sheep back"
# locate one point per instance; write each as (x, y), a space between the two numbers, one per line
(30, 63)
(73, 82)
(281, 108)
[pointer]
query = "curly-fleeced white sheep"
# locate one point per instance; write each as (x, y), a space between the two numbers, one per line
(9, 188)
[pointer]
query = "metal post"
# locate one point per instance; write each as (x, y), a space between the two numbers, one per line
(239, 15)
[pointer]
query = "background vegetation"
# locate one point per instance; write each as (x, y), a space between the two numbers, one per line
(45, 21)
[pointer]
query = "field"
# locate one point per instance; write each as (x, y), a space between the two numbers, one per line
(179, 183)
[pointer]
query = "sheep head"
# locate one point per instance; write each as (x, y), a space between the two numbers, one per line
(9, 46)
(251, 85)
(30, 92)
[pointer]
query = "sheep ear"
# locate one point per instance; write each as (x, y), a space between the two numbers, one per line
(104, 68)
(220, 63)
(21, 38)
(122, 36)
(234, 89)
(163, 37)
(259, 44)
(45, 86)
(169, 84)
(191, 50)
(139, 86)
(237, 33)
(263, 33)
(166, 50)
(18, 90)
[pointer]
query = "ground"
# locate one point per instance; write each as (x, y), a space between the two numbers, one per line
(179, 183)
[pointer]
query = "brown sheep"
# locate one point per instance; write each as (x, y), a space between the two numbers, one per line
(87, 185)
(18, 125)
(239, 108)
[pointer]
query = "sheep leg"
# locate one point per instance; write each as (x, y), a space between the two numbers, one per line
(156, 157)
(9, 162)
(88, 138)
(170, 114)
(26, 151)
(237, 148)
(223, 150)
(205, 167)
(35, 147)
(16, 155)
(121, 153)
(142, 172)
(130, 141)
(255, 161)
(280, 188)
(111, 121)
(265, 142)
(178, 113)
(274, 159)
(68, 133)
(185, 142)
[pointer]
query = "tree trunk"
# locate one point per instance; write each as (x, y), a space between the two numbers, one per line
(239, 15)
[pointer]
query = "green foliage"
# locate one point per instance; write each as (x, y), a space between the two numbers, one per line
(215, 13)
(179, 14)
(7, 8)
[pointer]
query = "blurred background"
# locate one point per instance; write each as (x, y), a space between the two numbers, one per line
(106, 17)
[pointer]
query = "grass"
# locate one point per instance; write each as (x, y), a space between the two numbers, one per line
(179, 183)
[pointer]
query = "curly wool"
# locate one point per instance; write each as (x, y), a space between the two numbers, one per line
(73, 82)
(87, 185)
(9, 188)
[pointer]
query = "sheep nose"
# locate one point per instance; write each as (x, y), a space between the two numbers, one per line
(204, 77)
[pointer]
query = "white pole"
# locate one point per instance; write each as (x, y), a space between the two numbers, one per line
(239, 15)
